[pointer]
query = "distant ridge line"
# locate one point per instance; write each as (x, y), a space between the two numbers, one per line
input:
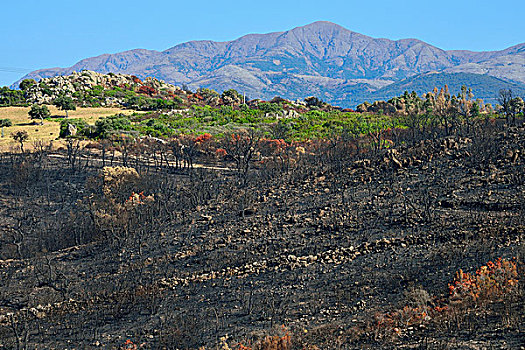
(323, 59)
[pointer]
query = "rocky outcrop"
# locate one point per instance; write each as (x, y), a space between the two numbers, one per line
(49, 89)
(284, 114)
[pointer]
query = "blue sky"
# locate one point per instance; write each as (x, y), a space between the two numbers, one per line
(58, 33)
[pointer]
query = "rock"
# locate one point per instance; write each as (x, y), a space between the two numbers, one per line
(71, 130)
(397, 163)
(206, 217)
(248, 212)
(291, 114)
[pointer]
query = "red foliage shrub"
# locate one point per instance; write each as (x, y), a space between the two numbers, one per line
(136, 80)
(489, 283)
(148, 90)
(272, 146)
(221, 152)
(203, 138)
(128, 345)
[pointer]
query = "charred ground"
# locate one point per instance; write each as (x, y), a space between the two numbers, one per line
(325, 243)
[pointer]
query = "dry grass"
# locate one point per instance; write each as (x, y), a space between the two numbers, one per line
(50, 130)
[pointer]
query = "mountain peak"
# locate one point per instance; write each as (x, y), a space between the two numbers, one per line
(323, 24)
(322, 27)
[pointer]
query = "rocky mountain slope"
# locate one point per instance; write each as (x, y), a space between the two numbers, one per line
(321, 58)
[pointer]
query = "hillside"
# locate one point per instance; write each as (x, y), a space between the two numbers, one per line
(321, 58)
(483, 86)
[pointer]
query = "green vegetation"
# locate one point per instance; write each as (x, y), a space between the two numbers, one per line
(46, 90)
(105, 127)
(97, 96)
(143, 103)
(207, 111)
(511, 105)
(318, 121)
(209, 96)
(269, 107)
(220, 121)
(10, 97)
(163, 126)
(232, 97)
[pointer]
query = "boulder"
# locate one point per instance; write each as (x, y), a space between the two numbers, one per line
(71, 130)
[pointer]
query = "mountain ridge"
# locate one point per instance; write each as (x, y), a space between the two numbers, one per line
(321, 57)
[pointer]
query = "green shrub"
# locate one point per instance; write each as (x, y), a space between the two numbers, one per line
(269, 107)
(5, 123)
(46, 90)
(107, 126)
(155, 127)
(226, 110)
(97, 91)
(142, 103)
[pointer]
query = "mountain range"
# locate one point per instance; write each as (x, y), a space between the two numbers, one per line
(321, 59)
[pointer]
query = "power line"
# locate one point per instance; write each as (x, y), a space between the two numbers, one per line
(15, 70)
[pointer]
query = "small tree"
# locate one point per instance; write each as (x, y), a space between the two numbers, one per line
(5, 123)
(313, 101)
(20, 136)
(269, 107)
(26, 84)
(442, 108)
(466, 106)
(65, 103)
(516, 106)
(241, 146)
(210, 97)
(504, 98)
(39, 112)
(231, 97)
